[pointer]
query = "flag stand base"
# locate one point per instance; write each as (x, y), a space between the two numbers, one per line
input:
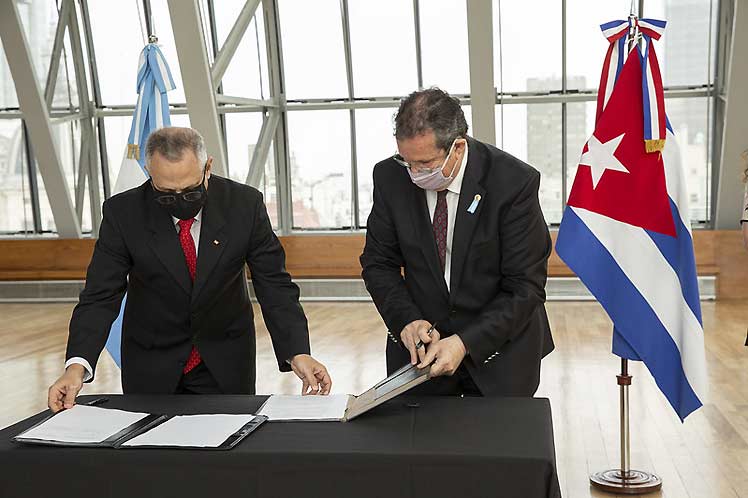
(624, 481)
(637, 482)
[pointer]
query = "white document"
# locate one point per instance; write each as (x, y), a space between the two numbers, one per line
(197, 431)
(83, 424)
(310, 408)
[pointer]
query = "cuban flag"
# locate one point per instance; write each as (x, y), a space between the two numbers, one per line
(154, 80)
(626, 230)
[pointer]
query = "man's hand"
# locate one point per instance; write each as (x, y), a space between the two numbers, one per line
(63, 392)
(444, 356)
(313, 374)
(414, 332)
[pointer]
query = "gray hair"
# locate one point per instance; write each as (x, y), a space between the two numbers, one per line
(431, 110)
(172, 141)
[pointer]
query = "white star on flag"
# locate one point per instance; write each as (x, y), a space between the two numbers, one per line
(600, 158)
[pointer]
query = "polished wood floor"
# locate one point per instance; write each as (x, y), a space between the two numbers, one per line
(705, 457)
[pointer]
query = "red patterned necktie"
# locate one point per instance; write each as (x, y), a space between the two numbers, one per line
(440, 225)
(190, 257)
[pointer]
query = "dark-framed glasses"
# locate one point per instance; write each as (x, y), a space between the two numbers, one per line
(190, 194)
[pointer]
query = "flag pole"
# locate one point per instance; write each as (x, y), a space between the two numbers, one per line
(624, 480)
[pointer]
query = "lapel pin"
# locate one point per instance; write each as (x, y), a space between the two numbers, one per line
(215, 242)
(474, 204)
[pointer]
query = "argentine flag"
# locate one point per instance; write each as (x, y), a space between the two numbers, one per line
(151, 112)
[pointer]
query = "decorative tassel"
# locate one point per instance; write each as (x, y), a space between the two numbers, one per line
(133, 151)
(654, 145)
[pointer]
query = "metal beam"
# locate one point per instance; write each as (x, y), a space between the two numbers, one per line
(57, 47)
(729, 188)
(260, 154)
(231, 100)
(198, 85)
(480, 54)
(277, 92)
(32, 104)
(223, 59)
(88, 159)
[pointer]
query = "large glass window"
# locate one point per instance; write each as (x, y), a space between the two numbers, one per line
(547, 129)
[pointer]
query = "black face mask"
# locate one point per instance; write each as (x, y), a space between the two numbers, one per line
(184, 205)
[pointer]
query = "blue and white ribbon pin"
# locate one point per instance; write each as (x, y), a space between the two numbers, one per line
(474, 205)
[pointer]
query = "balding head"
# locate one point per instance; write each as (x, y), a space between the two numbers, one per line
(175, 158)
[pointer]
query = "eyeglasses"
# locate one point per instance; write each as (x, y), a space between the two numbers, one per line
(190, 194)
(419, 165)
(425, 165)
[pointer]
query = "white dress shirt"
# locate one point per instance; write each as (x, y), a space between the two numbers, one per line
(195, 232)
(453, 199)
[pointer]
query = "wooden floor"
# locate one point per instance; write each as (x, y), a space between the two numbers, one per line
(703, 458)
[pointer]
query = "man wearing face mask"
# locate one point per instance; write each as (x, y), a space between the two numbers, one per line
(456, 256)
(178, 245)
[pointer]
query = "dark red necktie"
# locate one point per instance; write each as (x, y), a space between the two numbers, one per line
(190, 257)
(440, 225)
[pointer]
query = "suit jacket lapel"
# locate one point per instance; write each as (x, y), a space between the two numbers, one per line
(165, 243)
(465, 222)
(212, 242)
(423, 228)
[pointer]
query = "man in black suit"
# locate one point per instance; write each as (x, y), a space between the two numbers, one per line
(178, 245)
(456, 239)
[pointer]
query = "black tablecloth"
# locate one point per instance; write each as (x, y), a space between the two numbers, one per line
(409, 447)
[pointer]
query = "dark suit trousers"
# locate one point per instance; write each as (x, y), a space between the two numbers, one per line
(199, 380)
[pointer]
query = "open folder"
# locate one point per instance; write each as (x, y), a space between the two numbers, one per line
(342, 408)
(91, 426)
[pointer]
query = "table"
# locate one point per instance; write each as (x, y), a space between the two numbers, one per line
(408, 447)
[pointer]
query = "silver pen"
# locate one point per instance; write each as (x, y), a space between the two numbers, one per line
(419, 344)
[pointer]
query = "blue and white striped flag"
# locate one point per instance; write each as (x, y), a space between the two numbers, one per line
(151, 113)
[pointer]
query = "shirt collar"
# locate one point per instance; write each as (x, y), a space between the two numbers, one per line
(197, 218)
(456, 184)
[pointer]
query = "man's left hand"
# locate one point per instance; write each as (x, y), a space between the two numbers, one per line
(444, 356)
(312, 373)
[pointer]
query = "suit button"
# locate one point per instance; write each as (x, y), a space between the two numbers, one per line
(453, 312)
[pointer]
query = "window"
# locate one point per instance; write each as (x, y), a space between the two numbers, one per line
(545, 108)
(585, 44)
(532, 133)
(383, 47)
(320, 162)
(246, 74)
(375, 141)
(118, 38)
(7, 88)
(527, 46)
(690, 120)
(15, 198)
(686, 49)
(444, 45)
(312, 38)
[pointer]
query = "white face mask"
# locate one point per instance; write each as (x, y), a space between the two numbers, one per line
(434, 179)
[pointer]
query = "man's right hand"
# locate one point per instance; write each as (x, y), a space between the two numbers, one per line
(63, 392)
(414, 332)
